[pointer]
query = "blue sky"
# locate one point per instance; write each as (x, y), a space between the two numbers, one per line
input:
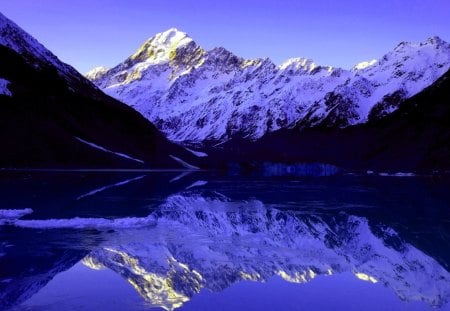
(88, 33)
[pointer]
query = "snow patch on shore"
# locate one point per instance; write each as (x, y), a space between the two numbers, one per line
(197, 153)
(8, 215)
(399, 174)
(184, 163)
(82, 223)
(123, 155)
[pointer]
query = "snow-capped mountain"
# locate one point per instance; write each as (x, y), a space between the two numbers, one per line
(196, 95)
(212, 242)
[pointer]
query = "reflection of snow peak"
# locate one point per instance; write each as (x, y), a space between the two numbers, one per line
(212, 243)
(92, 263)
(156, 288)
(365, 277)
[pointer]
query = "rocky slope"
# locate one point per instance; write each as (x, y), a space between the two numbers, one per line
(51, 116)
(194, 95)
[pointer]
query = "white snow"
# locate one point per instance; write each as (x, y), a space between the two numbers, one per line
(364, 65)
(160, 47)
(4, 87)
(95, 191)
(197, 153)
(180, 176)
(123, 155)
(77, 223)
(206, 96)
(184, 163)
(96, 72)
(399, 174)
(198, 183)
(299, 65)
(404, 174)
(8, 214)
(12, 217)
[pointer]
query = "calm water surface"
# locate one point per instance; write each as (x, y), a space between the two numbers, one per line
(204, 241)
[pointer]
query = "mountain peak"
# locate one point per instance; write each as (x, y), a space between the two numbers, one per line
(297, 62)
(170, 37)
(433, 41)
(365, 64)
(301, 65)
(162, 47)
(436, 40)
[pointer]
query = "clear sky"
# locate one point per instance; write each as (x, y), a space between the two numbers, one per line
(89, 33)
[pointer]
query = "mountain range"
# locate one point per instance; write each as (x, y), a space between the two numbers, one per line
(197, 96)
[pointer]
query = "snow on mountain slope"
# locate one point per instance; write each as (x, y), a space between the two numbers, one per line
(197, 95)
(96, 72)
(364, 65)
(95, 146)
(212, 242)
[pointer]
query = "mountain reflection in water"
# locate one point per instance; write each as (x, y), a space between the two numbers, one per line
(217, 234)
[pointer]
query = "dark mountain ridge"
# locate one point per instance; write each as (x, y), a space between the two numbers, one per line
(52, 117)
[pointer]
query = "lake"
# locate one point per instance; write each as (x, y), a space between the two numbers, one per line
(142, 240)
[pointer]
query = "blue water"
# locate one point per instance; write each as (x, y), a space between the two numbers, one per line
(207, 241)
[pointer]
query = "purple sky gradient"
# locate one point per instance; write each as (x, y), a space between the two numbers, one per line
(88, 33)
